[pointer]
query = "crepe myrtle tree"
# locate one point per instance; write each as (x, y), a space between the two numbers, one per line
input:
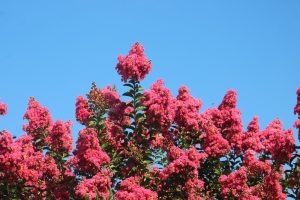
(151, 146)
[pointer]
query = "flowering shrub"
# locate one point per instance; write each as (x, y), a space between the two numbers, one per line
(152, 146)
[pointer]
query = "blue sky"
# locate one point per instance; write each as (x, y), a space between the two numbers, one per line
(53, 50)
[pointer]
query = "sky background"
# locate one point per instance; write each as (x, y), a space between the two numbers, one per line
(53, 50)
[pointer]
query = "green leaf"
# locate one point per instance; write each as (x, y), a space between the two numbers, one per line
(92, 124)
(130, 93)
(139, 96)
(140, 108)
(129, 85)
(141, 89)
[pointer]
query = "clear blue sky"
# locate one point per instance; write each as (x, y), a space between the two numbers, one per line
(53, 50)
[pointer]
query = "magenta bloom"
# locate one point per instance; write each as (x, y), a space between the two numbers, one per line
(272, 187)
(130, 189)
(3, 109)
(254, 165)
(235, 185)
(110, 96)
(280, 144)
(297, 125)
(231, 127)
(187, 110)
(214, 143)
(60, 137)
(39, 119)
(88, 156)
(83, 113)
(185, 163)
(97, 185)
(135, 65)
(160, 105)
(297, 107)
(297, 111)
(252, 138)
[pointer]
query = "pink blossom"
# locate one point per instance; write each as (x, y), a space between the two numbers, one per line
(3, 109)
(252, 138)
(29, 163)
(160, 106)
(232, 124)
(194, 188)
(175, 153)
(110, 96)
(272, 188)
(185, 164)
(60, 137)
(229, 101)
(297, 107)
(97, 185)
(39, 119)
(5, 142)
(158, 141)
(135, 65)
(235, 185)
(51, 169)
(280, 144)
(20, 162)
(255, 166)
(83, 113)
(118, 114)
(187, 110)
(214, 143)
(61, 192)
(297, 111)
(130, 189)
(297, 125)
(88, 155)
(113, 135)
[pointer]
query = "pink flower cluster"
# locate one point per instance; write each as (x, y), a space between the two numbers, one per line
(184, 166)
(83, 113)
(160, 105)
(254, 165)
(252, 139)
(110, 96)
(97, 186)
(184, 162)
(297, 107)
(88, 156)
(130, 189)
(231, 128)
(19, 162)
(280, 144)
(60, 137)
(272, 187)
(119, 113)
(135, 65)
(39, 119)
(194, 189)
(222, 127)
(215, 144)
(3, 109)
(113, 135)
(235, 185)
(297, 111)
(187, 110)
